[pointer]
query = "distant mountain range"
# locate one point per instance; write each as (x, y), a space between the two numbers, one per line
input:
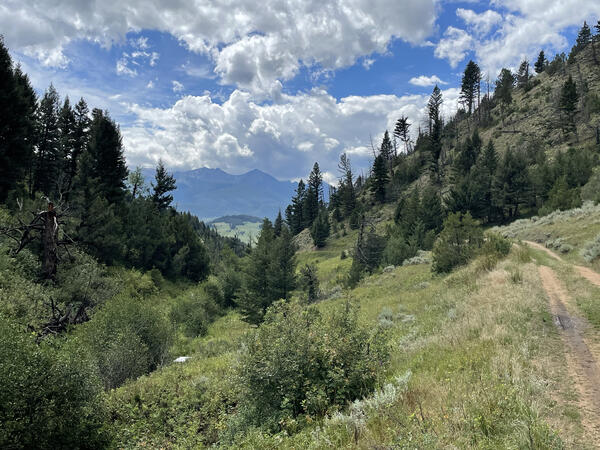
(210, 193)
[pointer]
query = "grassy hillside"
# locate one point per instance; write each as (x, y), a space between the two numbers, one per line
(476, 362)
(245, 228)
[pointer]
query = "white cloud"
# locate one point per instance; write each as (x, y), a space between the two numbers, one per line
(480, 23)
(177, 86)
(285, 138)
(150, 85)
(122, 66)
(254, 46)
(522, 30)
(425, 81)
(454, 45)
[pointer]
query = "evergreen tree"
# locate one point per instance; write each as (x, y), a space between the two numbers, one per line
(106, 148)
(258, 293)
(434, 143)
(17, 121)
(467, 156)
(314, 196)
(584, 37)
(387, 149)
(296, 220)
(431, 211)
(48, 158)
(319, 230)
(346, 191)
(470, 86)
(310, 282)
(80, 135)
(164, 183)
(541, 63)
(67, 129)
(277, 227)
(401, 132)
(511, 186)
(380, 178)
(282, 270)
(523, 75)
(568, 104)
(503, 91)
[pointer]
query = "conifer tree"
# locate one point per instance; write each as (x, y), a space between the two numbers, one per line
(106, 148)
(136, 181)
(80, 135)
(541, 63)
(380, 178)
(346, 191)
(584, 37)
(523, 74)
(433, 108)
(314, 196)
(282, 270)
(319, 230)
(164, 183)
(296, 220)
(401, 132)
(503, 91)
(66, 126)
(568, 104)
(278, 225)
(17, 121)
(511, 186)
(387, 149)
(435, 131)
(470, 86)
(48, 158)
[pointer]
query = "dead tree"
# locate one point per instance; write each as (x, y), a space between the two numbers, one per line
(44, 226)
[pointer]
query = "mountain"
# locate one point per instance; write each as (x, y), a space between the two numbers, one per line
(209, 193)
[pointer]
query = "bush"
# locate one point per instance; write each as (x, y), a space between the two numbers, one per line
(397, 250)
(458, 242)
(300, 363)
(310, 283)
(50, 395)
(127, 338)
(495, 244)
(319, 231)
(591, 190)
(591, 249)
(195, 310)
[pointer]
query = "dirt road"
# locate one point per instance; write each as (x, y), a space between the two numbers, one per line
(582, 358)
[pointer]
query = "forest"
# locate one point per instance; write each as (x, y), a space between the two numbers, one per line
(103, 283)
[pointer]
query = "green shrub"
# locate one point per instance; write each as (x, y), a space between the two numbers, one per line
(397, 250)
(591, 190)
(50, 395)
(127, 338)
(458, 242)
(591, 249)
(301, 363)
(195, 310)
(496, 244)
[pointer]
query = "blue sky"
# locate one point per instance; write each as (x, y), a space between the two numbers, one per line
(274, 85)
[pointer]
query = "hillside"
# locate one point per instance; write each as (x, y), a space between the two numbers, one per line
(244, 227)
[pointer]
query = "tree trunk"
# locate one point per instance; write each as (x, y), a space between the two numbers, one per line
(50, 242)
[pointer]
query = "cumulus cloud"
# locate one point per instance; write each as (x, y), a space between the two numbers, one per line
(425, 81)
(518, 29)
(454, 45)
(253, 46)
(285, 138)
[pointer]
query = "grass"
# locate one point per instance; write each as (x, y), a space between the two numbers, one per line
(480, 365)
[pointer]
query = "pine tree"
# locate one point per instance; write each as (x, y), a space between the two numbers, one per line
(503, 91)
(319, 231)
(164, 183)
(380, 178)
(584, 37)
(433, 108)
(401, 132)
(435, 131)
(282, 270)
(523, 75)
(310, 282)
(136, 182)
(568, 104)
(511, 186)
(387, 149)
(277, 227)
(296, 220)
(314, 196)
(470, 86)
(17, 121)
(81, 136)
(67, 129)
(48, 158)
(346, 191)
(431, 211)
(541, 63)
(468, 154)
(106, 148)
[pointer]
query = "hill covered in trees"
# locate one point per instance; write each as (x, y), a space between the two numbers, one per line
(391, 315)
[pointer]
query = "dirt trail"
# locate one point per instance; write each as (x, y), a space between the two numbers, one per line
(589, 274)
(582, 360)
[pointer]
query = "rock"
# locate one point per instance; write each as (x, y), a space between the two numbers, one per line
(389, 269)
(181, 359)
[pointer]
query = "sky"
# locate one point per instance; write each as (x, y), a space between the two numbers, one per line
(276, 84)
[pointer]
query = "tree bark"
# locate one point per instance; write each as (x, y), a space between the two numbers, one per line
(50, 242)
